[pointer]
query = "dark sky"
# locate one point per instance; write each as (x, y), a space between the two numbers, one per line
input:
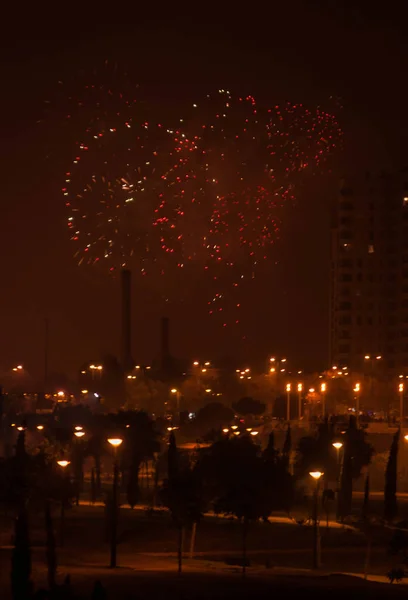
(305, 52)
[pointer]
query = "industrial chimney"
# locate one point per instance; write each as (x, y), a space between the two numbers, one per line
(126, 346)
(164, 344)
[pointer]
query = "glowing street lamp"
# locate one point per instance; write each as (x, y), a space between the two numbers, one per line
(234, 426)
(225, 430)
(79, 434)
(254, 433)
(63, 464)
(401, 399)
(323, 388)
(288, 388)
(338, 446)
(316, 475)
(357, 390)
(299, 390)
(176, 392)
(78, 428)
(40, 427)
(115, 443)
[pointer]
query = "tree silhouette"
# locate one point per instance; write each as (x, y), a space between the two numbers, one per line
(232, 472)
(21, 585)
(248, 406)
(390, 488)
(357, 453)
(50, 547)
(182, 495)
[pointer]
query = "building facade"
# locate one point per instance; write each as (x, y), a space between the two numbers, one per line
(369, 275)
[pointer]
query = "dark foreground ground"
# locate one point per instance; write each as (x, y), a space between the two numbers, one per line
(280, 556)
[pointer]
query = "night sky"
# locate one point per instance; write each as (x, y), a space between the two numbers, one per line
(306, 52)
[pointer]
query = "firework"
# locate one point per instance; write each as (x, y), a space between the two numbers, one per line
(202, 198)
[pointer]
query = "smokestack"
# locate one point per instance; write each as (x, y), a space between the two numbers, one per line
(126, 349)
(165, 349)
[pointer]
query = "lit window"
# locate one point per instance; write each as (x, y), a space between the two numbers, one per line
(370, 249)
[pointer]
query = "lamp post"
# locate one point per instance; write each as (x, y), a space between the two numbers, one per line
(338, 446)
(63, 464)
(177, 394)
(288, 387)
(78, 470)
(299, 389)
(401, 399)
(356, 390)
(316, 475)
(323, 389)
(115, 443)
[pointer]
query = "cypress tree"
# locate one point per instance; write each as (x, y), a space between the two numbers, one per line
(21, 585)
(390, 488)
(50, 547)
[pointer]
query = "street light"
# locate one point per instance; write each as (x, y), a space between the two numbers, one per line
(254, 433)
(63, 464)
(79, 434)
(401, 395)
(177, 394)
(234, 426)
(225, 430)
(300, 390)
(323, 388)
(316, 475)
(78, 428)
(115, 443)
(338, 446)
(288, 388)
(356, 390)
(40, 427)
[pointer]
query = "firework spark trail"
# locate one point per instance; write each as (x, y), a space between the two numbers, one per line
(204, 197)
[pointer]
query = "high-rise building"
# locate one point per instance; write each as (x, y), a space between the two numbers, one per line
(369, 274)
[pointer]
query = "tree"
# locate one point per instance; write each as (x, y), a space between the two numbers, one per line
(181, 494)
(21, 585)
(232, 476)
(390, 488)
(249, 406)
(316, 452)
(270, 453)
(278, 482)
(50, 547)
(214, 415)
(357, 453)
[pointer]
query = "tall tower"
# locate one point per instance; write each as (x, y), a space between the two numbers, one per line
(369, 274)
(126, 341)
